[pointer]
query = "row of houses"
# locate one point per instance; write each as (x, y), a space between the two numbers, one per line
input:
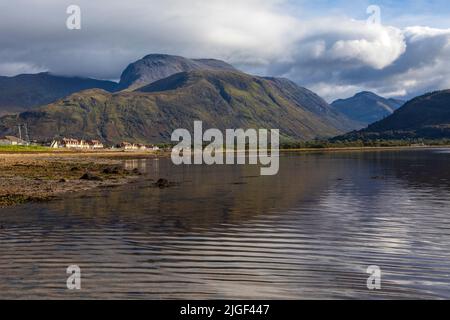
(95, 145)
(136, 147)
(77, 144)
(81, 144)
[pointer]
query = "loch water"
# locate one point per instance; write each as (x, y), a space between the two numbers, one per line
(225, 232)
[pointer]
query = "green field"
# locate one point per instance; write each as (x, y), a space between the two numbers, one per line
(23, 148)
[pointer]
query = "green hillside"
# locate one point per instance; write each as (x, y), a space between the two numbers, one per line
(27, 91)
(221, 99)
(426, 117)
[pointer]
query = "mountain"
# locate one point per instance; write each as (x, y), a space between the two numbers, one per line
(220, 98)
(427, 116)
(366, 107)
(155, 67)
(27, 91)
(315, 104)
(24, 92)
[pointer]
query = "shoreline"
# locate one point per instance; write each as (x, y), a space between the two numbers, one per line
(363, 149)
(115, 154)
(34, 177)
(86, 153)
(29, 176)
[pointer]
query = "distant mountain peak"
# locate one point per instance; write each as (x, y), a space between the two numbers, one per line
(159, 56)
(365, 93)
(367, 107)
(154, 67)
(424, 117)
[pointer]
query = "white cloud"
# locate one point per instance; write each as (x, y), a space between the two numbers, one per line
(341, 60)
(349, 40)
(336, 56)
(15, 68)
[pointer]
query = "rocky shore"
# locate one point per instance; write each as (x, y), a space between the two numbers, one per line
(43, 176)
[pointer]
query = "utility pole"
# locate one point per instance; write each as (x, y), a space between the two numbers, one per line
(27, 136)
(20, 131)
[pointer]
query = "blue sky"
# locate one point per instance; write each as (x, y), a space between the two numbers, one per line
(434, 13)
(323, 45)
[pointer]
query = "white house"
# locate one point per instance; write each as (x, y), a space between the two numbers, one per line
(95, 144)
(129, 146)
(137, 146)
(76, 144)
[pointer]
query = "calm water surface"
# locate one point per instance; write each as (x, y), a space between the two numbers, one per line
(225, 232)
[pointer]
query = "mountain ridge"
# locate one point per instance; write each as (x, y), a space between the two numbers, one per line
(221, 99)
(26, 91)
(154, 67)
(426, 116)
(366, 107)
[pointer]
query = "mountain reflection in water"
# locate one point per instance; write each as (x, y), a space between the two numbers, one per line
(226, 232)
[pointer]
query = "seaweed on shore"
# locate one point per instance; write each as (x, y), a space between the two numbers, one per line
(16, 199)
